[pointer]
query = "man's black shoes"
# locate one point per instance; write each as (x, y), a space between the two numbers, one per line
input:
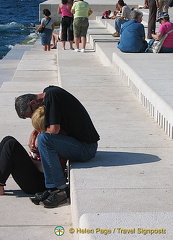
(51, 199)
(40, 197)
(55, 199)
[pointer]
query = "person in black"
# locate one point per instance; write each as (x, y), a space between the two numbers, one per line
(15, 160)
(62, 111)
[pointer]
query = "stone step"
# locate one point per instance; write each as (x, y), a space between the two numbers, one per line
(152, 91)
(10, 62)
(37, 66)
(133, 165)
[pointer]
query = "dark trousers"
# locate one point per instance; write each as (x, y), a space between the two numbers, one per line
(15, 160)
(152, 17)
(67, 29)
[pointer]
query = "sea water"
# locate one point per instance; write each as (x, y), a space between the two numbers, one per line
(16, 18)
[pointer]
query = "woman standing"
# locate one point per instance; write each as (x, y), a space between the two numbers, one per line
(64, 9)
(80, 10)
(48, 24)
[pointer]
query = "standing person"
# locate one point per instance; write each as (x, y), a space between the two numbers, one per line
(165, 27)
(62, 111)
(152, 17)
(48, 25)
(80, 10)
(162, 5)
(124, 17)
(64, 9)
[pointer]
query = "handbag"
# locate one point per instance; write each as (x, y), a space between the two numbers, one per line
(42, 29)
(157, 44)
(90, 12)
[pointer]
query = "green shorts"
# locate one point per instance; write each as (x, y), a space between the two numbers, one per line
(80, 27)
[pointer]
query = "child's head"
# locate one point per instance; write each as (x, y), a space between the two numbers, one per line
(38, 119)
(109, 12)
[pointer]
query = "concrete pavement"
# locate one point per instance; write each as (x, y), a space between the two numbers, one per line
(129, 183)
(20, 218)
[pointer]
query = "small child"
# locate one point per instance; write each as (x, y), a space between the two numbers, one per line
(106, 14)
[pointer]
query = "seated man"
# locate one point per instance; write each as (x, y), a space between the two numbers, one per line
(62, 111)
(133, 34)
(119, 20)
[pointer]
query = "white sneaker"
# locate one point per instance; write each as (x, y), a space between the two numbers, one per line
(82, 50)
(77, 50)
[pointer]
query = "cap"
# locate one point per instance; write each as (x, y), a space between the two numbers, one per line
(162, 15)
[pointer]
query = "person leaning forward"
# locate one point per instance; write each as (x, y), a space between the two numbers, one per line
(62, 111)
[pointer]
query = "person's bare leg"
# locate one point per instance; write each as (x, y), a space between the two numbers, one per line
(48, 47)
(83, 40)
(45, 47)
(63, 45)
(53, 40)
(1, 190)
(77, 41)
(71, 45)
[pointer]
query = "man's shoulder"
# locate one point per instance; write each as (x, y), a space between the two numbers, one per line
(52, 89)
(128, 23)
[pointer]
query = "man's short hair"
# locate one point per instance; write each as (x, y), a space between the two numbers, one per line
(22, 103)
(135, 14)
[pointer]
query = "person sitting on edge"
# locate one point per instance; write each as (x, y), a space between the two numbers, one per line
(62, 110)
(165, 27)
(119, 20)
(132, 34)
(117, 11)
(25, 170)
(25, 167)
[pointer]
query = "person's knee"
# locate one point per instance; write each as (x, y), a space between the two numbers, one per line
(45, 139)
(118, 20)
(42, 138)
(8, 138)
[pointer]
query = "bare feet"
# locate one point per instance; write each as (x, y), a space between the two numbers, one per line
(1, 190)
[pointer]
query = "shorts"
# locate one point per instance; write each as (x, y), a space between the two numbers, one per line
(80, 27)
(46, 36)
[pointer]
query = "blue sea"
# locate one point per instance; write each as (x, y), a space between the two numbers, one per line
(16, 17)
